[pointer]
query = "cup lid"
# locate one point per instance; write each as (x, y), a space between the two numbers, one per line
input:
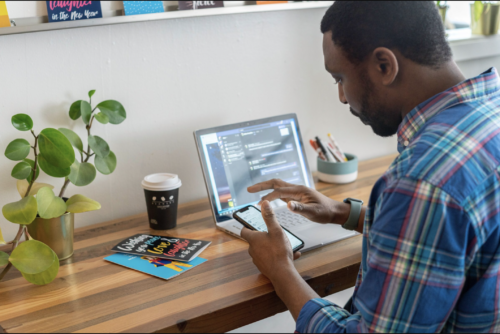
(161, 182)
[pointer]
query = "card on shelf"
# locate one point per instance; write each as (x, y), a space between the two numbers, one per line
(170, 248)
(270, 2)
(143, 7)
(154, 266)
(4, 15)
(73, 10)
(187, 5)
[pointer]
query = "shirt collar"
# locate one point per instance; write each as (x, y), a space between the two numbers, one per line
(485, 84)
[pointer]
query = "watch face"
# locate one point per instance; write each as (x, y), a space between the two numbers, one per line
(349, 199)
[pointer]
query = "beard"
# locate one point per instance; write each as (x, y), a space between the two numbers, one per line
(383, 121)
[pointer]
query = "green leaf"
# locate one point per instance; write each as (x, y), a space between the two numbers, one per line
(18, 150)
(80, 204)
(22, 212)
(44, 277)
(22, 122)
(86, 112)
(21, 171)
(102, 118)
(478, 10)
(75, 111)
(52, 170)
(99, 146)
(32, 257)
(56, 148)
(114, 110)
(22, 187)
(49, 205)
(106, 165)
(73, 138)
(32, 164)
(2, 240)
(82, 174)
(4, 259)
(91, 93)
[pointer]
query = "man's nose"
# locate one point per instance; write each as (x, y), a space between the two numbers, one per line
(342, 95)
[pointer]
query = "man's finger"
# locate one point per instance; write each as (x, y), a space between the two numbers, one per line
(247, 234)
(268, 214)
(271, 184)
(296, 255)
(285, 193)
(309, 211)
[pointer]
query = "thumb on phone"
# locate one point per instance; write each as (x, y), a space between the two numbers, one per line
(269, 217)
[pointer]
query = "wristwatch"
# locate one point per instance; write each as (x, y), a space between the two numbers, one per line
(353, 220)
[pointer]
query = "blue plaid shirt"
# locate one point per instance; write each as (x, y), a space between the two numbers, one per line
(431, 240)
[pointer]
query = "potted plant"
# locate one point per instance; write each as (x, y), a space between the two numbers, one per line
(47, 220)
(443, 8)
(484, 18)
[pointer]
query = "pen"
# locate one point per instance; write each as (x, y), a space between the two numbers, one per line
(327, 154)
(334, 142)
(317, 149)
(335, 152)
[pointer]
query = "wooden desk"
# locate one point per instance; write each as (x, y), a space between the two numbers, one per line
(227, 292)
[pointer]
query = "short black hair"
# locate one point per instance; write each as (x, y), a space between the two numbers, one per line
(412, 27)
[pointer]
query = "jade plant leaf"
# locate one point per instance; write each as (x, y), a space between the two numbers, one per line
(22, 122)
(114, 110)
(99, 146)
(56, 148)
(32, 164)
(49, 205)
(2, 240)
(80, 204)
(52, 170)
(91, 93)
(21, 171)
(22, 212)
(18, 150)
(22, 187)
(82, 174)
(103, 119)
(46, 276)
(32, 257)
(4, 259)
(86, 112)
(106, 165)
(73, 138)
(75, 110)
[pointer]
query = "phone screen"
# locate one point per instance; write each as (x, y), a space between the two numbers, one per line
(254, 218)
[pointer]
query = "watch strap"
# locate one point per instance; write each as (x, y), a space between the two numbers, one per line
(353, 220)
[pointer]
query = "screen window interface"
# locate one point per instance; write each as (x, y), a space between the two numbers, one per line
(239, 158)
(254, 218)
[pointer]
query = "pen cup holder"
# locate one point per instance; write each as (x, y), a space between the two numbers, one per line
(338, 172)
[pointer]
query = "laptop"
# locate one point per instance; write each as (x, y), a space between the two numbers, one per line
(234, 157)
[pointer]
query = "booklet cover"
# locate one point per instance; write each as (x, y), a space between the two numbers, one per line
(178, 249)
(4, 15)
(143, 7)
(186, 5)
(73, 10)
(162, 268)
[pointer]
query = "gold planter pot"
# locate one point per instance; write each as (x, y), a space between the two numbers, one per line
(442, 12)
(57, 233)
(488, 22)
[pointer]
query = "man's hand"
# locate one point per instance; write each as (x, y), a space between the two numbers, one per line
(271, 252)
(305, 201)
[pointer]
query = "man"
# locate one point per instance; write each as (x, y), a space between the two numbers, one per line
(431, 232)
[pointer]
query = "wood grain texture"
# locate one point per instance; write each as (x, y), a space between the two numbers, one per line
(227, 292)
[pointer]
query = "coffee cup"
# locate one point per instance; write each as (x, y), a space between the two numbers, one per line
(162, 196)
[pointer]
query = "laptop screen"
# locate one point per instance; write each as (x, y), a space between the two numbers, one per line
(236, 157)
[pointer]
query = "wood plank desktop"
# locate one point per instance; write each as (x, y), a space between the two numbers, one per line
(227, 292)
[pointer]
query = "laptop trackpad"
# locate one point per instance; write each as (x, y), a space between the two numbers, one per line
(323, 233)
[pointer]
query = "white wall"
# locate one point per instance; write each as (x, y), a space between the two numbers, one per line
(173, 76)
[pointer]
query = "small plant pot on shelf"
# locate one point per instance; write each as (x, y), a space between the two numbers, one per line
(338, 172)
(442, 12)
(57, 233)
(485, 19)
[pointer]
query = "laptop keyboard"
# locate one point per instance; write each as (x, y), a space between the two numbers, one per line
(291, 220)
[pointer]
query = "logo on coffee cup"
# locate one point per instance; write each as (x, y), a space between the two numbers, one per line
(153, 221)
(163, 203)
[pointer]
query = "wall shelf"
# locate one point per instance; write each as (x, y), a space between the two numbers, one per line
(35, 24)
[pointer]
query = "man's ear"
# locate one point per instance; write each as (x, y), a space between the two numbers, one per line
(386, 65)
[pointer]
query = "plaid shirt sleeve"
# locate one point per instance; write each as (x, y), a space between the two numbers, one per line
(415, 265)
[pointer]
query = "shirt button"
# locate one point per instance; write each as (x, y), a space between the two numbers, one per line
(406, 143)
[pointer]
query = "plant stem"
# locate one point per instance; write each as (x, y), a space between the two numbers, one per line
(88, 132)
(5, 271)
(36, 162)
(22, 229)
(66, 183)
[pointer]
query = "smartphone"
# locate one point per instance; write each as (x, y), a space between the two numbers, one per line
(251, 217)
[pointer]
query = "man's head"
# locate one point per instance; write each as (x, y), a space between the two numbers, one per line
(373, 48)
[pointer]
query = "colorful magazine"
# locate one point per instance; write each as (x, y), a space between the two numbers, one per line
(178, 249)
(143, 7)
(154, 266)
